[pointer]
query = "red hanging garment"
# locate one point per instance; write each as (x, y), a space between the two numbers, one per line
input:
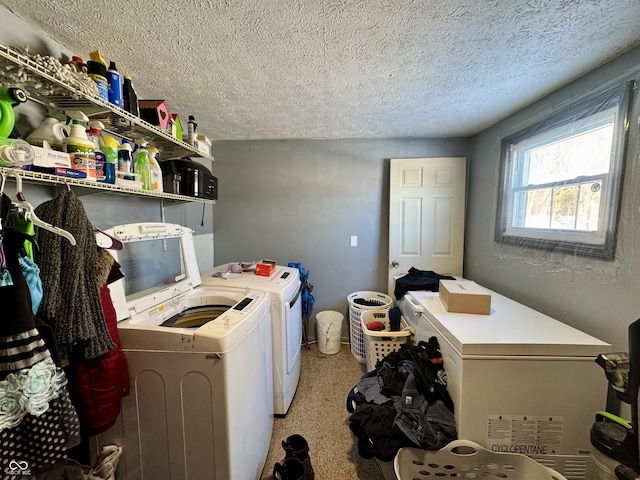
(102, 382)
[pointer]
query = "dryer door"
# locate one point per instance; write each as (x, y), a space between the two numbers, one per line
(293, 329)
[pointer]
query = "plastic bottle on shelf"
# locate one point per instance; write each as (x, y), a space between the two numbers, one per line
(9, 98)
(156, 171)
(51, 131)
(78, 64)
(141, 167)
(192, 130)
(110, 149)
(125, 159)
(106, 154)
(80, 148)
(97, 70)
(115, 85)
(129, 97)
(99, 155)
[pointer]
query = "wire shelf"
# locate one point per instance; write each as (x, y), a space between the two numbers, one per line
(62, 95)
(39, 177)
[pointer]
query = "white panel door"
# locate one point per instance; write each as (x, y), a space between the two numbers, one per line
(426, 215)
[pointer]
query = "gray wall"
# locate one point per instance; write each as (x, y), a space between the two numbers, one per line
(600, 298)
(301, 200)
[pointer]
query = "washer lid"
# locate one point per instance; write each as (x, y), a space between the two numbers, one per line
(159, 263)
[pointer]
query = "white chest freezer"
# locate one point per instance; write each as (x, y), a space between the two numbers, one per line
(520, 380)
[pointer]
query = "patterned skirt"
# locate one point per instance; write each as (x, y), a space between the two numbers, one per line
(38, 423)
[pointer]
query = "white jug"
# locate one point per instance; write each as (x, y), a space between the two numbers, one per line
(51, 131)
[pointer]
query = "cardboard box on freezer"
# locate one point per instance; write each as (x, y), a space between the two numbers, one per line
(464, 296)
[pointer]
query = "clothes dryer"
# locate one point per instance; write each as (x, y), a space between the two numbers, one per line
(284, 287)
(201, 401)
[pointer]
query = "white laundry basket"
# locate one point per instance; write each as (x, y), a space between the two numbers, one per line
(466, 459)
(375, 301)
(329, 328)
(380, 343)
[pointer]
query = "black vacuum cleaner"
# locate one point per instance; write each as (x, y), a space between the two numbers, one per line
(611, 435)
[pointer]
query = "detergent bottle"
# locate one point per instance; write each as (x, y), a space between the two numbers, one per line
(97, 70)
(8, 98)
(156, 171)
(80, 148)
(142, 167)
(105, 156)
(109, 146)
(51, 131)
(115, 85)
(130, 97)
(125, 159)
(100, 157)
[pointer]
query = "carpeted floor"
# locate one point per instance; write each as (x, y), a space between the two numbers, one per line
(319, 414)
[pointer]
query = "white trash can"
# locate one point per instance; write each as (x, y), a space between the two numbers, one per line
(329, 328)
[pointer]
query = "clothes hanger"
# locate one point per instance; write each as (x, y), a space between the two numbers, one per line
(104, 240)
(3, 179)
(28, 208)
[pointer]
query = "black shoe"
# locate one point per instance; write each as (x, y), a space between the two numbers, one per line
(297, 447)
(289, 469)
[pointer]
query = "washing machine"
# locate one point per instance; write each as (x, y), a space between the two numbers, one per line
(201, 401)
(284, 287)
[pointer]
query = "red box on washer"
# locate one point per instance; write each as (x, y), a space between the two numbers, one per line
(266, 268)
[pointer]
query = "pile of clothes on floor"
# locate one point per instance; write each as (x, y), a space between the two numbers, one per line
(403, 402)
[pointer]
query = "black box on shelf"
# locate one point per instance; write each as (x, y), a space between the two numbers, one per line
(184, 176)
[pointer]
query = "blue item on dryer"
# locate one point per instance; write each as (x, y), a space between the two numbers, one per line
(307, 299)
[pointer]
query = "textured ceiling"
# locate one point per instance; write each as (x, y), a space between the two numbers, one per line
(276, 69)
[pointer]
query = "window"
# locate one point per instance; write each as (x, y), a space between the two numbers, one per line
(561, 178)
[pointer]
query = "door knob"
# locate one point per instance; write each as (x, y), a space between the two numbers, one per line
(395, 264)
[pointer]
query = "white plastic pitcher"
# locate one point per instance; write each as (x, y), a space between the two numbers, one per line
(51, 131)
(329, 330)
